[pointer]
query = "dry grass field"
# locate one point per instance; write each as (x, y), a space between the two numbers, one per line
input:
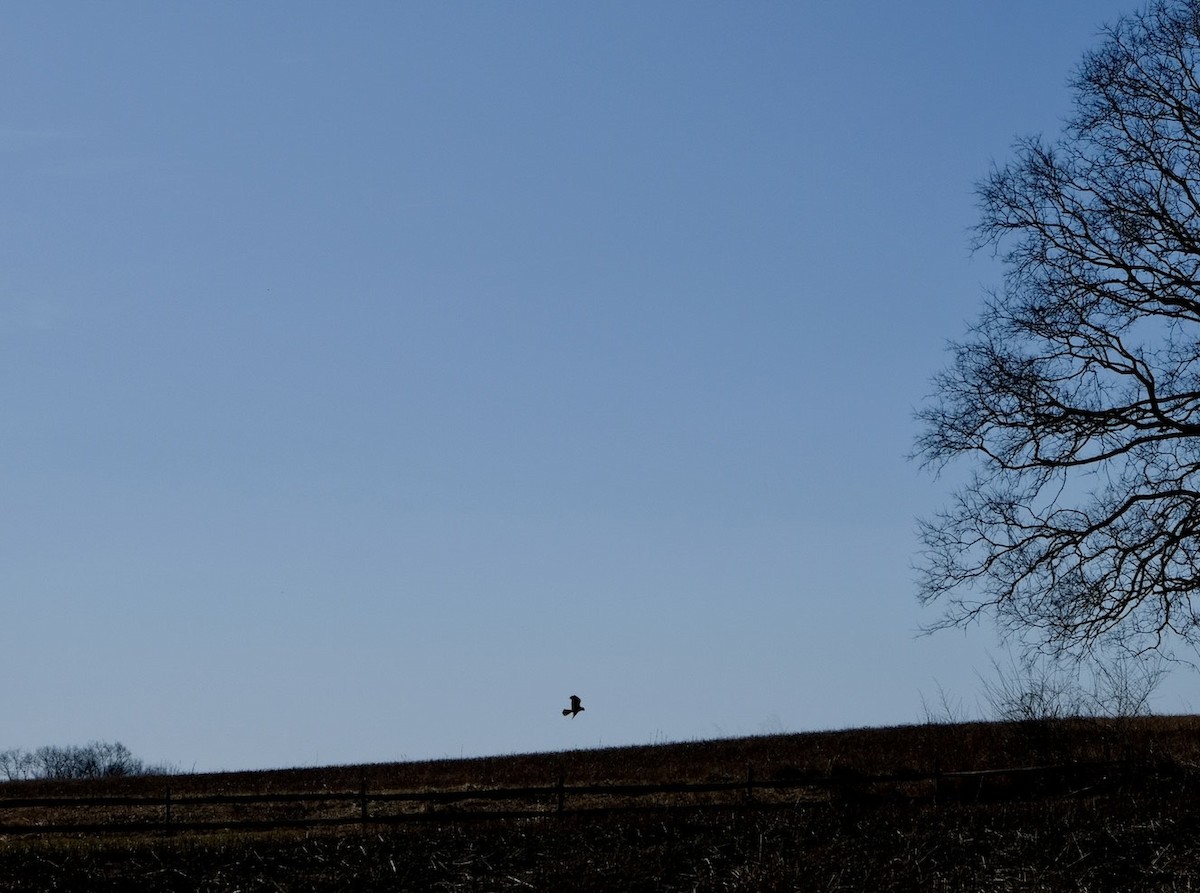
(1112, 805)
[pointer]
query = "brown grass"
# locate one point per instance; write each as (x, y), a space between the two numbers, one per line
(1133, 829)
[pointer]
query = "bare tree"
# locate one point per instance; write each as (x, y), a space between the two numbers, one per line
(1077, 392)
(97, 759)
(15, 764)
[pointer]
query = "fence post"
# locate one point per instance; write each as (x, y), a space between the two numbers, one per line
(749, 783)
(363, 801)
(167, 810)
(937, 781)
(562, 794)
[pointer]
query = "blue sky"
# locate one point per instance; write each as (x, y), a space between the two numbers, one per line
(375, 376)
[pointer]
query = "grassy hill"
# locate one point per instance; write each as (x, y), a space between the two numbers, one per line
(1103, 805)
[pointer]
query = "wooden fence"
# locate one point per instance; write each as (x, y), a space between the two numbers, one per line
(210, 812)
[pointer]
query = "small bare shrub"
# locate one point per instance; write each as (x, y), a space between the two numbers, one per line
(1123, 684)
(944, 709)
(1036, 689)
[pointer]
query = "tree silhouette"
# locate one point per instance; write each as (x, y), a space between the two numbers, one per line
(1077, 392)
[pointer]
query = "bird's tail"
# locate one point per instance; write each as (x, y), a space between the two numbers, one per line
(565, 712)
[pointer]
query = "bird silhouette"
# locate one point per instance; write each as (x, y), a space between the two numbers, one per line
(575, 707)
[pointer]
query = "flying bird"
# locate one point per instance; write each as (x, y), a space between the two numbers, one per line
(575, 707)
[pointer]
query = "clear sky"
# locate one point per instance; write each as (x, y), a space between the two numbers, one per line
(374, 376)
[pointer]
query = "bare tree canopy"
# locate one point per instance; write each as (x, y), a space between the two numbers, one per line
(97, 759)
(1077, 392)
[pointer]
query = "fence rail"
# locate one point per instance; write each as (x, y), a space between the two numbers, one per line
(162, 812)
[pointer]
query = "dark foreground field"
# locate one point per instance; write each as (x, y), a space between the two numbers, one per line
(1109, 805)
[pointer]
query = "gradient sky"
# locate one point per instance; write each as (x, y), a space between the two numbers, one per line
(376, 375)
